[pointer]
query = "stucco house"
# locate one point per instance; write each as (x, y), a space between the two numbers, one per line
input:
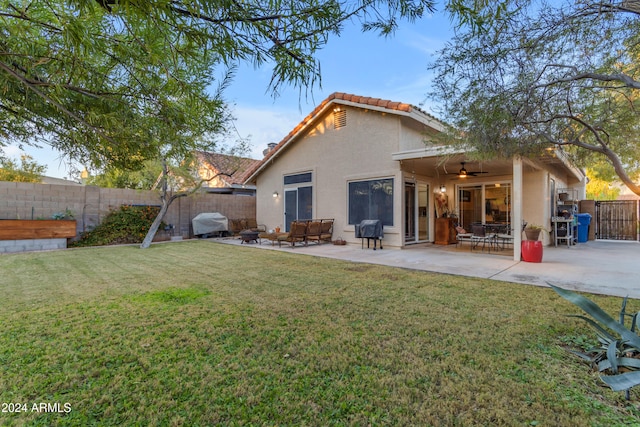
(354, 158)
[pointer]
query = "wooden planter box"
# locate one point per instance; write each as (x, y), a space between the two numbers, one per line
(21, 229)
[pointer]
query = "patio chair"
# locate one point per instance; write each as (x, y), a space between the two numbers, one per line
(297, 234)
(479, 236)
(325, 234)
(253, 225)
(314, 230)
(462, 236)
(504, 239)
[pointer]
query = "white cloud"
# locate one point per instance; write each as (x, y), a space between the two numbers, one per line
(424, 44)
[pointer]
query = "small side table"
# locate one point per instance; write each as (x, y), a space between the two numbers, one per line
(569, 237)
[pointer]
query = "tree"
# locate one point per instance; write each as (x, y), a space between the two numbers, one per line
(115, 83)
(600, 189)
(523, 76)
(186, 182)
(141, 179)
(27, 171)
(97, 79)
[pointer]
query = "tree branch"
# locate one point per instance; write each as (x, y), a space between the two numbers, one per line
(48, 99)
(625, 79)
(601, 148)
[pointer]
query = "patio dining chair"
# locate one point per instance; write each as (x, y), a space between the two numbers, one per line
(462, 236)
(504, 240)
(479, 236)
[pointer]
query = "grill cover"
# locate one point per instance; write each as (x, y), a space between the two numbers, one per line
(206, 223)
(370, 228)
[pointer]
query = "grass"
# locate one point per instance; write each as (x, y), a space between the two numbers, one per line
(198, 333)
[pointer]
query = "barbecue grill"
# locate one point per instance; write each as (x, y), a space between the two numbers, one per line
(370, 229)
(209, 223)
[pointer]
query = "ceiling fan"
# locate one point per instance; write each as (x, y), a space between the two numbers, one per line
(463, 173)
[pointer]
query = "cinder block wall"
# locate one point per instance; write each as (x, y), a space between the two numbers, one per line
(90, 204)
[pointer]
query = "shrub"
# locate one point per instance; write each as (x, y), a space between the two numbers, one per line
(617, 357)
(128, 224)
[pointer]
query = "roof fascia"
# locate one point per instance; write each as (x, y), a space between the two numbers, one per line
(567, 163)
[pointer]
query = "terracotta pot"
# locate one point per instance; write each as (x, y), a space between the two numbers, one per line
(532, 233)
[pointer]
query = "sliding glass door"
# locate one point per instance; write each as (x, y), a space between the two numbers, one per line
(298, 205)
(488, 203)
(416, 212)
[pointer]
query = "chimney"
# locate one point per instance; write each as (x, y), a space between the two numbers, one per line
(270, 147)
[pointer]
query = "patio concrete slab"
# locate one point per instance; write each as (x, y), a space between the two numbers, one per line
(598, 267)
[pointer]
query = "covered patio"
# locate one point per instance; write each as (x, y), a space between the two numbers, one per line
(501, 192)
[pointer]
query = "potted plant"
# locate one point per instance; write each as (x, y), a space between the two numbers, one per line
(532, 231)
(532, 247)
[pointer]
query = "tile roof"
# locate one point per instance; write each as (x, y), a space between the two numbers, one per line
(238, 167)
(337, 97)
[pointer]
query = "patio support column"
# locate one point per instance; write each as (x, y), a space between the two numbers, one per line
(516, 207)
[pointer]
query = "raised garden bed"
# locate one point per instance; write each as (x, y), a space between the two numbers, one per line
(22, 229)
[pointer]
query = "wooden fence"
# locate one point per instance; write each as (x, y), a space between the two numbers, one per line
(617, 220)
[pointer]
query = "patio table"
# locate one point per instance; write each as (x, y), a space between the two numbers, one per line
(496, 232)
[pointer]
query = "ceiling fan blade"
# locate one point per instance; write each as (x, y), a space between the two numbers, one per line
(463, 172)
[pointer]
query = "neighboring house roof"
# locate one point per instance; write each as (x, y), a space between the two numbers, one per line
(339, 98)
(58, 181)
(234, 170)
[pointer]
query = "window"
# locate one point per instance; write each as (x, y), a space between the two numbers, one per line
(297, 179)
(371, 200)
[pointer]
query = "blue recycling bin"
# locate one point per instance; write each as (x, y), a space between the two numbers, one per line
(584, 219)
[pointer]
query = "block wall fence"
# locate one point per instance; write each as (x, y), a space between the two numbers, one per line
(90, 204)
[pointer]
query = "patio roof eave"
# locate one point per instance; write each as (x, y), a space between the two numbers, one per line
(421, 153)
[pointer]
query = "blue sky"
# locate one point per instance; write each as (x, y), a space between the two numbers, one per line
(364, 64)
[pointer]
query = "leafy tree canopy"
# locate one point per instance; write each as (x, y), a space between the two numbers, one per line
(140, 179)
(522, 76)
(600, 189)
(112, 83)
(27, 171)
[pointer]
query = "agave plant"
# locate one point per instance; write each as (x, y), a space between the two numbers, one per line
(618, 357)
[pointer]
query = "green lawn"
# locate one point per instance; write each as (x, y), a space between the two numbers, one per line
(198, 333)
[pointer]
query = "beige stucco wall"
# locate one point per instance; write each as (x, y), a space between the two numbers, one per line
(359, 151)
(535, 200)
(538, 200)
(362, 150)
